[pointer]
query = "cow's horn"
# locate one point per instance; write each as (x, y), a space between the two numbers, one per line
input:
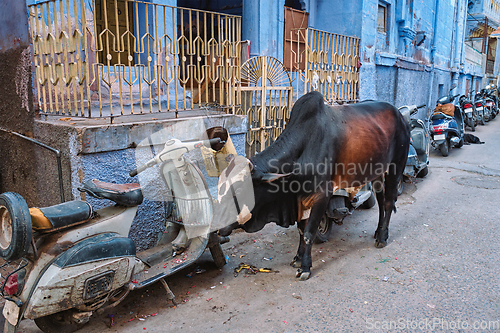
(270, 177)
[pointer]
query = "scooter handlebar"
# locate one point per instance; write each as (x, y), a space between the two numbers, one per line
(158, 159)
(421, 106)
(143, 167)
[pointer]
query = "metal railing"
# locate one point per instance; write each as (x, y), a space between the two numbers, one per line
(325, 62)
(104, 58)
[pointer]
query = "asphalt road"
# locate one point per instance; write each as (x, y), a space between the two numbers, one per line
(439, 272)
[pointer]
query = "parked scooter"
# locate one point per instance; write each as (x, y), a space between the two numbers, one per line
(469, 112)
(418, 154)
(78, 261)
(342, 204)
(447, 126)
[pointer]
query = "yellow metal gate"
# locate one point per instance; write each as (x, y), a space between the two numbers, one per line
(266, 96)
(106, 58)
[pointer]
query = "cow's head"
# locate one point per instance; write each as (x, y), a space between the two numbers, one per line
(249, 198)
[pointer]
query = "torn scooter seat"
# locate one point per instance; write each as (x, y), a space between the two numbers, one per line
(127, 195)
(60, 216)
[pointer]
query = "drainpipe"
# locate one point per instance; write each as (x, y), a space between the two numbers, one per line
(430, 102)
(454, 38)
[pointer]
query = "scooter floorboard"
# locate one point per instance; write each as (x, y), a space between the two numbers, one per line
(170, 264)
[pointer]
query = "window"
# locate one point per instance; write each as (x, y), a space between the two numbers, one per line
(382, 18)
(116, 20)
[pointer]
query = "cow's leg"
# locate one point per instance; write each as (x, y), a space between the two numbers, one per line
(317, 211)
(297, 260)
(378, 188)
(389, 203)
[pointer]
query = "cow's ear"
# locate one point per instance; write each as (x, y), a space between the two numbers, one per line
(270, 177)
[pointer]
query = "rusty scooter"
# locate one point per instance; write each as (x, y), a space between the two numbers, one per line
(66, 262)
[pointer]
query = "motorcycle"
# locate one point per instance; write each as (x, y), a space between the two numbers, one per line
(469, 110)
(480, 108)
(447, 126)
(490, 101)
(67, 262)
(342, 203)
(418, 154)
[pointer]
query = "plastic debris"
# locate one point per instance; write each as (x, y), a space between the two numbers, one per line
(384, 260)
(198, 270)
(296, 296)
(209, 299)
(385, 279)
(267, 258)
(250, 269)
(112, 323)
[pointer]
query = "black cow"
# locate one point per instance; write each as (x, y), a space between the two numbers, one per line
(322, 148)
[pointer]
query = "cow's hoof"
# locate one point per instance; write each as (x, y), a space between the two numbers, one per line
(296, 263)
(379, 244)
(302, 275)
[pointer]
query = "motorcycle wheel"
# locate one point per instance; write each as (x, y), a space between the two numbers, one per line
(324, 230)
(481, 122)
(444, 148)
(15, 226)
(422, 173)
(472, 125)
(59, 322)
(218, 255)
(370, 202)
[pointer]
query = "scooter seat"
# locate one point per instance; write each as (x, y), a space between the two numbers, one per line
(60, 216)
(127, 195)
(438, 116)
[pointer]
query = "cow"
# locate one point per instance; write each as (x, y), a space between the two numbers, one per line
(322, 148)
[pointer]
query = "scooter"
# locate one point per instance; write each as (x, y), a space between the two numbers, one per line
(342, 203)
(447, 130)
(67, 262)
(468, 109)
(418, 154)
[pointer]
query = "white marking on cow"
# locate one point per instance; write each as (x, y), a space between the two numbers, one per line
(306, 214)
(244, 215)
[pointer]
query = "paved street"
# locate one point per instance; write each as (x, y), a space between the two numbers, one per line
(439, 272)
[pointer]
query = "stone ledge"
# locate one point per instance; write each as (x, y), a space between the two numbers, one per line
(104, 137)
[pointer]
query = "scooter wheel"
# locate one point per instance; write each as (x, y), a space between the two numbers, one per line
(59, 322)
(218, 255)
(15, 226)
(444, 148)
(422, 173)
(370, 202)
(400, 186)
(324, 230)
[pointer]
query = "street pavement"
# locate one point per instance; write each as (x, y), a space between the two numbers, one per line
(438, 273)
